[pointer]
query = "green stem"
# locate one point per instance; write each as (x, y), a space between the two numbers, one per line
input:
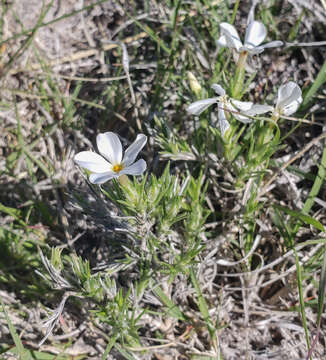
(269, 134)
(202, 304)
(239, 75)
(235, 10)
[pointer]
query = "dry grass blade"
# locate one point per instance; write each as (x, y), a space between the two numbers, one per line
(198, 258)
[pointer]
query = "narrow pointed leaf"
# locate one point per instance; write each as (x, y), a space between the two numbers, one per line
(303, 217)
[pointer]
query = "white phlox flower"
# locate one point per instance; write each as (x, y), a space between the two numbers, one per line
(110, 164)
(289, 98)
(255, 35)
(239, 109)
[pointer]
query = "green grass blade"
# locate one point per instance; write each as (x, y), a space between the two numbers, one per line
(124, 353)
(19, 345)
(202, 304)
(235, 10)
(321, 297)
(109, 346)
(302, 217)
(152, 35)
(49, 96)
(295, 28)
(320, 80)
(320, 178)
(38, 162)
(173, 309)
(321, 290)
(40, 355)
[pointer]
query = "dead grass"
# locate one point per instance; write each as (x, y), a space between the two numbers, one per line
(66, 85)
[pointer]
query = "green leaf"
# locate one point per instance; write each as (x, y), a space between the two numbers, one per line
(302, 217)
(15, 213)
(173, 309)
(109, 346)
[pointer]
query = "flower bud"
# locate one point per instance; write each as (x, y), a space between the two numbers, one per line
(194, 84)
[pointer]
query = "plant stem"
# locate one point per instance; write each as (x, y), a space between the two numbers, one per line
(239, 75)
(235, 10)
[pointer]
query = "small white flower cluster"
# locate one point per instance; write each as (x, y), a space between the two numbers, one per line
(111, 164)
(289, 95)
(288, 100)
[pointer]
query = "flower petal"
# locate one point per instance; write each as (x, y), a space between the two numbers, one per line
(253, 50)
(259, 49)
(136, 168)
(243, 119)
(198, 107)
(231, 36)
(218, 89)
(258, 109)
(292, 107)
(272, 44)
(222, 122)
(242, 105)
(134, 149)
(102, 178)
(110, 147)
(251, 15)
(255, 34)
(221, 41)
(92, 162)
(287, 94)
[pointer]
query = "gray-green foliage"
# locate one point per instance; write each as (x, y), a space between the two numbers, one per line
(157, 242)
(164, 217)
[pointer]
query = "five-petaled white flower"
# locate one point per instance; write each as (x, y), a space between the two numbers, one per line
(289, 97)
(111, 164)
(255, 35)
(226, 103)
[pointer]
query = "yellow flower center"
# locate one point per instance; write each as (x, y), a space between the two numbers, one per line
(117, 168)
(223, 99)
